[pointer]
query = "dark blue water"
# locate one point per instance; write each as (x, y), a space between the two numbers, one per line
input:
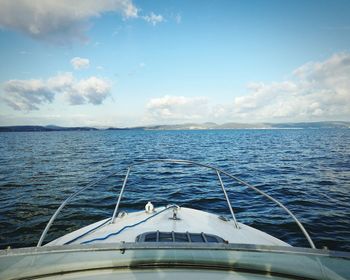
(307, 170)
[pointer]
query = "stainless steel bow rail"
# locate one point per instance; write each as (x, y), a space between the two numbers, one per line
(174, 161)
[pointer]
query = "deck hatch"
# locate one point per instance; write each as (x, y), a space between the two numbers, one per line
(187, 237)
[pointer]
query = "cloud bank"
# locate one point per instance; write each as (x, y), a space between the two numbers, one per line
(58, 21)
(28, 95)
(315, 91)
(79, 63)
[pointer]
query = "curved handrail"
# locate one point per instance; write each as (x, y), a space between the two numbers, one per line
(65, 202)
(177, 161)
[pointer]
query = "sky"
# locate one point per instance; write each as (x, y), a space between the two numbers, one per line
(127, 63)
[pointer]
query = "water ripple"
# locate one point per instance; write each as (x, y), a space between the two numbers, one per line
(307, 170)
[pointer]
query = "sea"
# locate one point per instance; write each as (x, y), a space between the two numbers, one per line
(308, 170)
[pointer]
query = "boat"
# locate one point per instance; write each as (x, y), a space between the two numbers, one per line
(170, 242)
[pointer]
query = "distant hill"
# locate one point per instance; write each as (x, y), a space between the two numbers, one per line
(34, 128)
(306, 125)
(303, 125)
(189, 126)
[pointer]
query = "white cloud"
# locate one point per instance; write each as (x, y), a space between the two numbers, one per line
(176, 108)
(28, 95)
(316, 91)
(92, 90)
(80, 63)
(153, 19)
(58, 21)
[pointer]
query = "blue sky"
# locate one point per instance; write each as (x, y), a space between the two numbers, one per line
(126, 63)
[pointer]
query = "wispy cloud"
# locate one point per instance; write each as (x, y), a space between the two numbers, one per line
(153, 19)
(28, 95)
(58, 21)
(137, 69)
(178, 18)
(79, 63)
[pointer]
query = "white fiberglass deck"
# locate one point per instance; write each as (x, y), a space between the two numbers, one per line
(129, 226)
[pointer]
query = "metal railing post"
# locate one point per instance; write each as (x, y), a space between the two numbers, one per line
(227, 200)
(120, 195)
